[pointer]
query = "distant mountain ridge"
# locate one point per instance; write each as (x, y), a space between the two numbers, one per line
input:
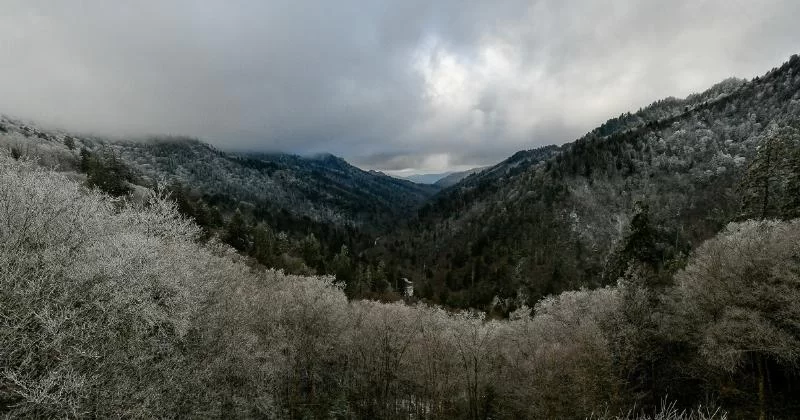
(443, 179)
(456, 177)
(430, 179)
(325, 187)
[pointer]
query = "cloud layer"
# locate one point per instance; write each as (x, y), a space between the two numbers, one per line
(387, 84)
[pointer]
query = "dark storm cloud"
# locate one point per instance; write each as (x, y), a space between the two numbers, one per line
(388, 84)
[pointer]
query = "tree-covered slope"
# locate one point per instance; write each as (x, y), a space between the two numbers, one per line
(324, 188)
(555, 218)
(456, 177)
(117, 308)
(301, 214)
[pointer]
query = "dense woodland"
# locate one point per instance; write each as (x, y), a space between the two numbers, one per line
(647, 268)
(517, 232)
(305, 215)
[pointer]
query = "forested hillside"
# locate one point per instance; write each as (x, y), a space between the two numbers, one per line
(648, 268)
(668, 176)
(306, 215)
(116, 307)
(542, 221)
(324, 188)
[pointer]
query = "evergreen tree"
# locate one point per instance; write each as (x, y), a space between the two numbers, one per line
(106, 173)
(69, 142)
(790, 204)
(237, 233)
(343, 269)
(642, 249)
(771, 185)
(759, 184)
(380, 282)
(87, 161)
(263, 248)
(311, 252)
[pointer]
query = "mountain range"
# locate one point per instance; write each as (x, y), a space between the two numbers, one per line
(556, 218)
(323, 188)
(542, 221)
(444, 179)
(429, 179)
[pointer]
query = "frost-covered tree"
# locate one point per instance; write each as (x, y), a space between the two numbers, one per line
(97, 301)
(559, 359)
(739, 296)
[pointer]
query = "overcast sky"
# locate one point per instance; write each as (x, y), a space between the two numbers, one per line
(394, 85)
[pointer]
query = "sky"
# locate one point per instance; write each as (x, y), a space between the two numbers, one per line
(402, 86)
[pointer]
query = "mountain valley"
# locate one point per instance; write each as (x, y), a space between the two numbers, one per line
(655, 256)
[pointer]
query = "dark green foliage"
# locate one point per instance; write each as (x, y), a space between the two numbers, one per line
(106, 172)
(790, 204)
(641, 243)
(69, 141)
(237, 233)
(191, 204)
(647, 248)
(343, 270)
(770, 185)
(282, 241)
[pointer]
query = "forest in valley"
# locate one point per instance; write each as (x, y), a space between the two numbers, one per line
(650, 269)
